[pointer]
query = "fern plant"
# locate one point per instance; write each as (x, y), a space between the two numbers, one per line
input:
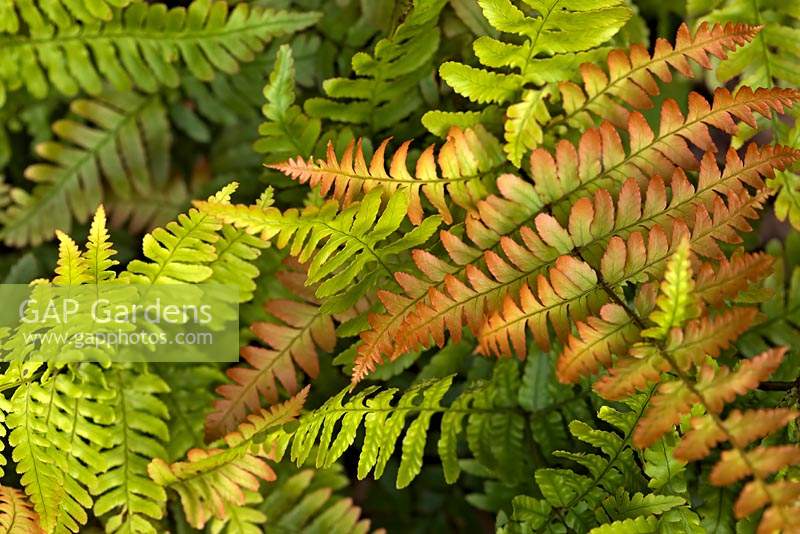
(506, 265)
(770, 61)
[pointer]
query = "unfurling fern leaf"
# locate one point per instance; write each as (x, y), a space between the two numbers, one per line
(384, 91)
(140, 46)
(122, 147)
(467, 160)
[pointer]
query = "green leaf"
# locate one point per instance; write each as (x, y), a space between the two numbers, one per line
(141, 47)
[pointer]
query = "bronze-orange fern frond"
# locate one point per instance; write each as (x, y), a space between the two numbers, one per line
(632, 72)
(599, 161)
(465, 161)
(301, 330)
(672, 343)
(17, 516)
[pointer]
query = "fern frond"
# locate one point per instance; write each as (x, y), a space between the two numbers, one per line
(687, 376)
(782, 314)
(99, 250)
(591, 235)
(771, 59)
(301, 330)
(571, 290)
(787, 183)
(287, 131)
(384, 91)
(126, 499)
(236, 251)
(57, 428)
(570, 496)
(467, 160)
(41, 479)
(730, 277)
(120, 145)
(242, 519)
(743, 428)
(183, 250)
(342, 245)
(141, 212)
(632, 73)
(306, 501)
(191, 393)
(16, 514)
(553, 44)
(141, 46)
(599, 161)
(676, 301)
(211, 480)
(63, 13)
(71, 267)
(494, 429)
(559, 31)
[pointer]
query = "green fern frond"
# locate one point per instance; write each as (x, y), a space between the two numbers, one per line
(141, 46)
(787, 183)
(99, 250)
(782, 314)
(191, 392)
(676, 301)
(183, 250)
(307, 501)
(37, 16)
(71, 266)
(573, 496)
(288, 132)
(144, 210)
(57, 427)
(349, 250)
(384, 91)
(494, 427)
(554, 42)
(126, 499)
(120, 145)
